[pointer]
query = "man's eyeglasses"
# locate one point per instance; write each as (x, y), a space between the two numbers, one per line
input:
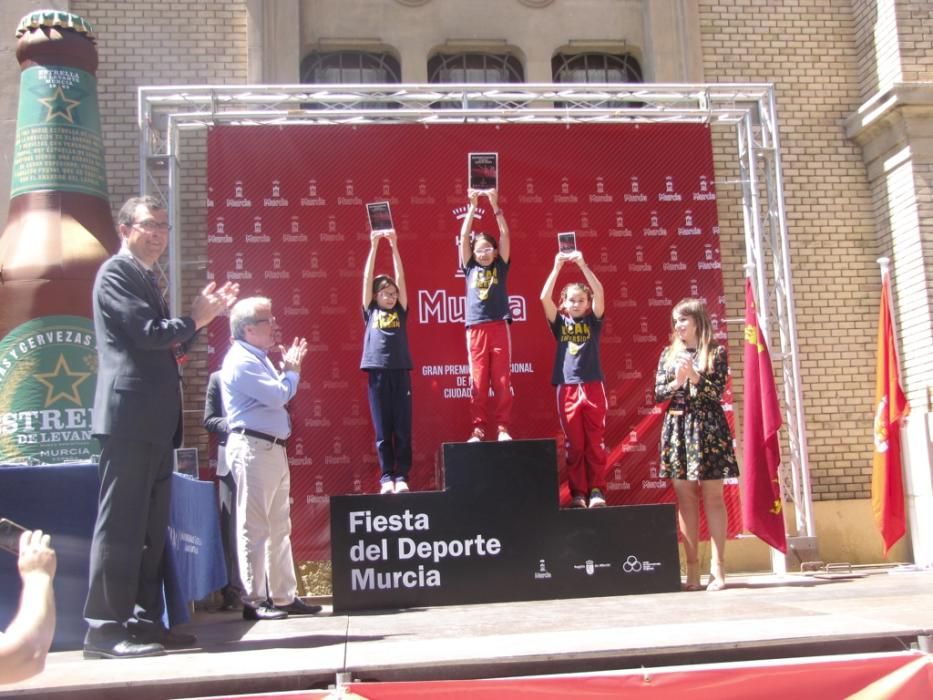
(271, 319)
(151, 226)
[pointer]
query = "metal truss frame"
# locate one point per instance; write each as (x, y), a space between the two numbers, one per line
(748, 109)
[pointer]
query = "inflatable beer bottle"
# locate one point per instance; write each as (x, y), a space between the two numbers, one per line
(59, 230)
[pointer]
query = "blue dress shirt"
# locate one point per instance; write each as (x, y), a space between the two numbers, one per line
(255, 392)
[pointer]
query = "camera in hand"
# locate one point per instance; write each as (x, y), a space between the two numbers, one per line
(10, 533)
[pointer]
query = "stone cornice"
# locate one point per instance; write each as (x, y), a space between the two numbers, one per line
(882, 110)
(890, 122)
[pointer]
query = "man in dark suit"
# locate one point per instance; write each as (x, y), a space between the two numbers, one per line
(137, 419)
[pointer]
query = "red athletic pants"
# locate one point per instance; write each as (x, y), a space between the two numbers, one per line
(582, 411)
(489, 347)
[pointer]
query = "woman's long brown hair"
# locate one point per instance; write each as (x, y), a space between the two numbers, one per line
(695, 309)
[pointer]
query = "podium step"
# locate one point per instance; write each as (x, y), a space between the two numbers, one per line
(495, 534)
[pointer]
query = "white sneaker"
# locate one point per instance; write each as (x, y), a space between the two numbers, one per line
(401, 486)
(504, 436)
(477, 436)
(387, 487)
(597, 500)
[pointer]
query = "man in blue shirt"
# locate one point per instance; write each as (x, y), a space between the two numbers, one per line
(255, 394)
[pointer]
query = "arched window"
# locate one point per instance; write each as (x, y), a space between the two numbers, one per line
(350, 67)
(594, 67)
(475, 67)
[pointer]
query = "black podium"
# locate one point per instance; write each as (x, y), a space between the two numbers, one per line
(495, 534)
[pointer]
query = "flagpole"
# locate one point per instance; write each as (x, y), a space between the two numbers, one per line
(888, 488)
(884, 263)
(778, 558)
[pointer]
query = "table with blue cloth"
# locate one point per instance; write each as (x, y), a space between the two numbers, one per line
(62, 501)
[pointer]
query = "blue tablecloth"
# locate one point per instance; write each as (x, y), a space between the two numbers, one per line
(62, 500)
(194, 555)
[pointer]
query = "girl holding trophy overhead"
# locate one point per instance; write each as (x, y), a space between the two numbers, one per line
(387, 362)
(578, 377)
(485, 264)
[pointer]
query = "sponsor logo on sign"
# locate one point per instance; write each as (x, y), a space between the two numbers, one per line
(669, 195)
(634, 565)
(589, 567)
(48, 371)
(276, 200)
(238, 199)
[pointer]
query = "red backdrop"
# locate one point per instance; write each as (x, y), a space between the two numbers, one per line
(286, 219)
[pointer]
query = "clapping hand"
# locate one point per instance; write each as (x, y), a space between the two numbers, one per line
(293, 356)
(686, 370)
(682, 372)
(213, 301)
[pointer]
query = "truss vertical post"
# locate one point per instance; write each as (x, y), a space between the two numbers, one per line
(787, 323)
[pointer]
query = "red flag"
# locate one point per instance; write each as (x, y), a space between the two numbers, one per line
(761, 494)
(887, 482)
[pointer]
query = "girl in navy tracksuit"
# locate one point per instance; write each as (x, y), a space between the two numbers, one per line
(387, 361)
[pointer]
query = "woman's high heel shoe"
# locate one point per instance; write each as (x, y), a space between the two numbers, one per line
(693, 576)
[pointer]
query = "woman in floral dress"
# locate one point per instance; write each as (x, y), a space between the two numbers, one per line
(696, 443)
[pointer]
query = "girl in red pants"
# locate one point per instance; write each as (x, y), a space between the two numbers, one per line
(578, 376)
(485, 264)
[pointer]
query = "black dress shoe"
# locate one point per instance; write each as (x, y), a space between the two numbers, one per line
(263, 612)
(168, 638)
(299, 607)
(124, 649)
(173, 639)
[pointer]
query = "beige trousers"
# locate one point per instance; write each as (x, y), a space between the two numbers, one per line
(264, 526)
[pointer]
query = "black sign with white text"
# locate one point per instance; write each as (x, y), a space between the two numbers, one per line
(495, 534)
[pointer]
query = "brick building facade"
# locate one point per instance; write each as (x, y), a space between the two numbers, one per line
(854, 85)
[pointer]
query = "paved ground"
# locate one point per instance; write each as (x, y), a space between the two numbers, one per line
(756, 617)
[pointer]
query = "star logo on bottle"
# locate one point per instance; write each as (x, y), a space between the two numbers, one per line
(59, 105)
(48, 371)
(62, 383)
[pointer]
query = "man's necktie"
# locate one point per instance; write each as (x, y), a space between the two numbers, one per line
(154, 281)
(178, 350)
